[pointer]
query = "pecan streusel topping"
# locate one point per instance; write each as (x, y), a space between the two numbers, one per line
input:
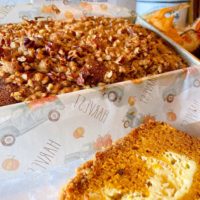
(43, 58)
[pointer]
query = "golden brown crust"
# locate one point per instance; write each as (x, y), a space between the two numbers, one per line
(45, 58)
(119, 165)
(5, 91)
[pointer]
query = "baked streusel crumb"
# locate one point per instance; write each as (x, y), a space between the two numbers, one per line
(153, 162)
(43, 58)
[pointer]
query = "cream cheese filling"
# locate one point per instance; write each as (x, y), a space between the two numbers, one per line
(172, 179)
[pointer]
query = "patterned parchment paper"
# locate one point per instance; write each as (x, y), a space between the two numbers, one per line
(42, 142)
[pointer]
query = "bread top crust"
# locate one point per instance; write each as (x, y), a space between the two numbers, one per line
(123, 168)
(44, 58)
(5, 92)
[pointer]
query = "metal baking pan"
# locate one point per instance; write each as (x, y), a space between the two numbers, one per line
(187, 56)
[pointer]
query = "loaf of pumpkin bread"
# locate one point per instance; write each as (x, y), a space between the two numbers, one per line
(44, 58)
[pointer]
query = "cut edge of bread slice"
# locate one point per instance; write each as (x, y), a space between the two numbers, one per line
(154, 159)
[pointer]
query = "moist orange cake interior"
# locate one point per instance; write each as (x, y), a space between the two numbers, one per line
(155, 161)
